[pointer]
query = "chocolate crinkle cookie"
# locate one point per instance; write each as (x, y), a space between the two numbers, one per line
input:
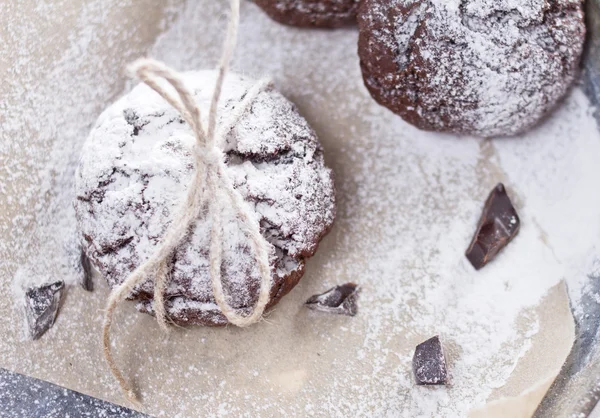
(481, 67)
(134, 170)
(311, 13)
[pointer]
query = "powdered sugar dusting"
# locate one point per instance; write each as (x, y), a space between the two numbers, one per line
(55, 86)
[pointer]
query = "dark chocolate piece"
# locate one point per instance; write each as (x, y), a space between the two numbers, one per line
(498, 225)
(429, 363)
(86, 279)
(41, 305)
(341, 300)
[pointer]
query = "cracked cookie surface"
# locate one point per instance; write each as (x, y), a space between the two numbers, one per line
(311, 13)
(134, 170)
(481, 67)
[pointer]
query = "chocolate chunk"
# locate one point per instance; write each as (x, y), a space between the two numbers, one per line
(498, 225)
(79, 264)
(86, 279)
(341, 300)
(41, 305)
(429, 364)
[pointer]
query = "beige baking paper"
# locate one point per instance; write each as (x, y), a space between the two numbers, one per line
(519, 398)
(288, 364)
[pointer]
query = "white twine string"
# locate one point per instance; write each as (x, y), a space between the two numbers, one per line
(210, 186)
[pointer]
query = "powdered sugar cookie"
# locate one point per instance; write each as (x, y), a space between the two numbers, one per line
(482, 67)
(134, 170)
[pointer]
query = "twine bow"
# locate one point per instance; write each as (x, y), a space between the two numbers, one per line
(210, 186)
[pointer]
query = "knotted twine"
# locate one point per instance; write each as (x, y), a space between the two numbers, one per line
(210, 186)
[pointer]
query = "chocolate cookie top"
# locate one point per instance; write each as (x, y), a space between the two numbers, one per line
(134, 170)
(483, 67)
(311, 13)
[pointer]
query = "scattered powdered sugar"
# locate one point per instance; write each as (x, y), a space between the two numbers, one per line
(54, 88)
(134, 172)
(562, 187)
(408, 202)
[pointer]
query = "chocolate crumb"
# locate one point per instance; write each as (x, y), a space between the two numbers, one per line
(41, 306)
(342, 299)
(498, 225)
(86, 278)
(429, 363)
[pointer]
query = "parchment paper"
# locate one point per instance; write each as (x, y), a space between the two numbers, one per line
(287, 365)
(520, 397)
